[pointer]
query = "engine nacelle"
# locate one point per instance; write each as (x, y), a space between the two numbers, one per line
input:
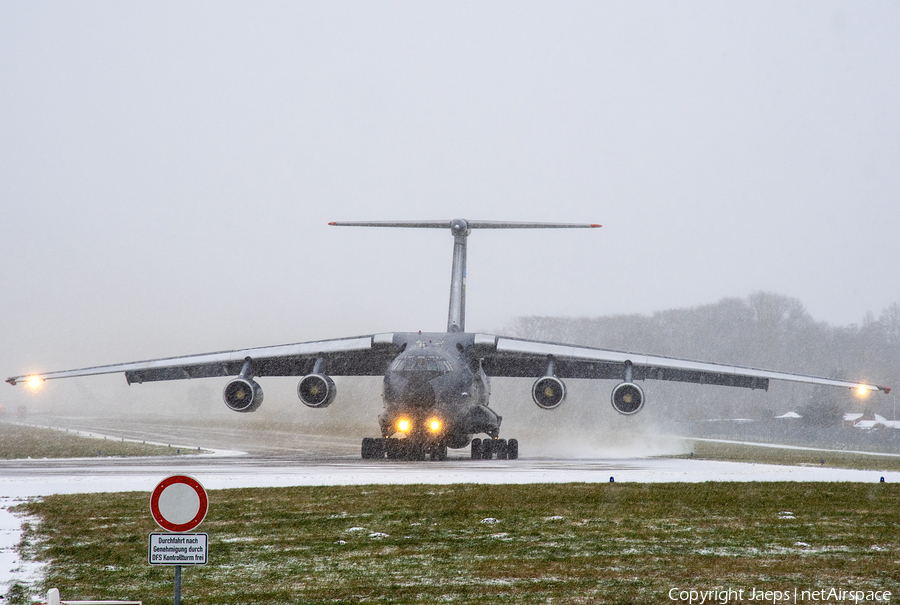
(548, 392)
(627, 398)
(243, 395)
(316, 390)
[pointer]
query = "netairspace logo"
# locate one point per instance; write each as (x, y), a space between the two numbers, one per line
(723, 596)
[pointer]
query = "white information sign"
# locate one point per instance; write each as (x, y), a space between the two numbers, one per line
(178, 549)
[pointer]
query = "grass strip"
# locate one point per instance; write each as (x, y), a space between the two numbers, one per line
(22, 441)
(774, 454)
(562, 543)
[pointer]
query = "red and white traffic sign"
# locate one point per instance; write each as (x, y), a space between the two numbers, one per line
(179, 503)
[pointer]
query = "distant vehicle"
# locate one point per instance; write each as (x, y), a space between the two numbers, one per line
(21, 411)
(437, 385)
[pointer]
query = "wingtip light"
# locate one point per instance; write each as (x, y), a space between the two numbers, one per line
(594, 226)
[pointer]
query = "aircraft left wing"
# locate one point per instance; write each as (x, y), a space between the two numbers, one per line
(357, 356)
(516, 357)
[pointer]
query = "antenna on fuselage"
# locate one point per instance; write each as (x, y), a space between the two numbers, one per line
(460, 228)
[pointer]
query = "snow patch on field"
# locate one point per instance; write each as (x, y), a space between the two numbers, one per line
(13, 569)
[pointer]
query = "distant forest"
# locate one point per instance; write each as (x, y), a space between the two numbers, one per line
(764, 330)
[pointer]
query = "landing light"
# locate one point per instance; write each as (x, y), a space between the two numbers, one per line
(435, 425)
(34, 382)
(403, 425)
(862, 391)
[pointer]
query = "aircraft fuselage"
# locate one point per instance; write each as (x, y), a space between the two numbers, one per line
(435, 391)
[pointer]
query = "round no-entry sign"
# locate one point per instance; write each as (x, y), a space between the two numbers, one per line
(179, 503)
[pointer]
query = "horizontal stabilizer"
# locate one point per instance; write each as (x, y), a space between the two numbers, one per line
(469, 224)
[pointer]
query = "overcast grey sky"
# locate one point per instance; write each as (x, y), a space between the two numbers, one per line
(167, 169)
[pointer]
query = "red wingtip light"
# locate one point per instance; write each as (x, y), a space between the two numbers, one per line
(595, 226)
(332, 223)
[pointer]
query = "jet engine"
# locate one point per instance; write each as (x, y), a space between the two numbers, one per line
(548, 392)
(627, 398)
(316, 390)
(243, 395)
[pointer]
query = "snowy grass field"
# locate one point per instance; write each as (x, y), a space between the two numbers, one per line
(467, 543)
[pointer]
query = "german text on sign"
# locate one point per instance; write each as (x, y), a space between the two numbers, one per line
(178, 549)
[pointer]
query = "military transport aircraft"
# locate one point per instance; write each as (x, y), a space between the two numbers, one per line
(437, 385)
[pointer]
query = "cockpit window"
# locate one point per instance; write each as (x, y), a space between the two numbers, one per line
(421, 363)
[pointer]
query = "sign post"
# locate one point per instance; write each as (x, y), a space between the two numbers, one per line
(178, 504)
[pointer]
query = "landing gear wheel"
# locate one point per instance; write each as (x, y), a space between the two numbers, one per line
(476, 449)
(372, 449)
(487, 449)
(415, 451)
(366, 449)
(500, 448)
(439, 452)
(512, 449)
(394, 448)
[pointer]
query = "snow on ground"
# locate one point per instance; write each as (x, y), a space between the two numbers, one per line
(11, 566)
(39, 478)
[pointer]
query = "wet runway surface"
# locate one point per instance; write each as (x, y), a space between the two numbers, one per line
(86, 476)
(284, 458)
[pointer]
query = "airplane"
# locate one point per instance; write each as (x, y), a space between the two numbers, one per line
(436, 389)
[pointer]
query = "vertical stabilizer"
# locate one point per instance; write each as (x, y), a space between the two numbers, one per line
(456, 316)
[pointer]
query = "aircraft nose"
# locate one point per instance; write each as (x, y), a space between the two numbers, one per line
(419, 393)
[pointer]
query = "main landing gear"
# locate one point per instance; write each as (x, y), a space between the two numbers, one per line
(485, 450)
(401, 449)
(407, 449)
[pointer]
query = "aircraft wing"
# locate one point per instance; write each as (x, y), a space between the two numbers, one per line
(358, 356)
(528, 358)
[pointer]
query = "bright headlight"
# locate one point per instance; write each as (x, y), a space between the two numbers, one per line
(403, 425)
(434, 424)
